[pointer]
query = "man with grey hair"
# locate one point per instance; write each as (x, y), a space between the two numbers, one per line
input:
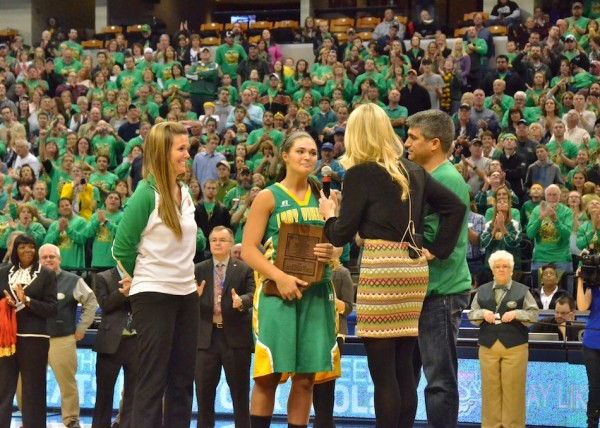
(383, 28)
(88, 128)
(24, 157)
(65, 332)
(549, 227)
(574, 132)
(530, 114)
(430, 136)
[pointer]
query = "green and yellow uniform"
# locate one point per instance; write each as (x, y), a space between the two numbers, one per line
(297, 336)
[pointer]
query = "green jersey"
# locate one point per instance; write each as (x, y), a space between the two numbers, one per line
(71, 242)
(289, 209)
(128, 80)
(105, 181)
(47, 209)
(229, 57)
(64, 69)
(107, 146)
(450, 276)
(75, 47)
(4, 229)
(235, 193)
(568, 148)
(104, 235)
(551, 238)
(35, 229)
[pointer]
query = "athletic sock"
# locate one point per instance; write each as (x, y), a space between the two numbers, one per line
(260, 421)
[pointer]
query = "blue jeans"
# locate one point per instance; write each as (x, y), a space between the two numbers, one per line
(566, 267)
(438, 332)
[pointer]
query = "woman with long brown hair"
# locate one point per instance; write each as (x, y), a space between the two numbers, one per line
(154, 248)
(295, 333)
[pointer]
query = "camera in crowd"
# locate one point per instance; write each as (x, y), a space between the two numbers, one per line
(590, 269)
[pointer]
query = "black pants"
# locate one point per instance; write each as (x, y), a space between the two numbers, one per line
(167, 328)
(236, 362)
(324, 399)
(591, 359)
(31, 359)
(107, 371)
(390, 364)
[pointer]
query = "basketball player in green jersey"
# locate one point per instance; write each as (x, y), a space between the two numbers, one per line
(295, 335)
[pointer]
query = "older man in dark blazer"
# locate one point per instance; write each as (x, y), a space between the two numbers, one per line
(225, 332)
(117, 347)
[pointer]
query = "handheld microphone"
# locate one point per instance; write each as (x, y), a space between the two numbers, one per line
(326, 172)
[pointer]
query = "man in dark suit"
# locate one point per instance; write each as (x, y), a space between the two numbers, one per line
(116, 345)
(225, 332)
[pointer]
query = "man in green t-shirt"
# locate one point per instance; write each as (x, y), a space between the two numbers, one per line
(63, 66)
(67, 233)
(229, 55)
(430, 136)
(72, 44)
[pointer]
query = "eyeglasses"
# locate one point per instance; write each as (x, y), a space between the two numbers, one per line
(221, 240)
(502, 267)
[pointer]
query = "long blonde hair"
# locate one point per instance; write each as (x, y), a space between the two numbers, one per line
(370, 137)
(157, 161)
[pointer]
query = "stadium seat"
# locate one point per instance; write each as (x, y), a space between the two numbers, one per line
(498, 30)
(342, 22)
(365, 36)
(318, 22)
(92, 44)
(254, 39)
(285, 31)
(467, 17)
(134, 28)
(210, 41)
(339, 28)
(402, 20)
(367, 23)
(460, 32)
(243, 25)
(341, 37)
(211, 29)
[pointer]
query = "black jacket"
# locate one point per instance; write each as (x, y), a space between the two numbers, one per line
(237, 325)
(376, 211)
(415, 100)
(515, 169)
(513, 80)
(219, 217)
(115, 311)
(44, 302)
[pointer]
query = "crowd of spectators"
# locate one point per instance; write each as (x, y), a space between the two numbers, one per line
(73, 125)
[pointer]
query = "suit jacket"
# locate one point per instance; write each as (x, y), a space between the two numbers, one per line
(43, 295)
(237, 325)
(115, 311)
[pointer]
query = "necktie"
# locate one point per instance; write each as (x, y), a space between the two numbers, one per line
(218, 288)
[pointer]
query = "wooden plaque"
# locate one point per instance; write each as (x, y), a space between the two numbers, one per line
(295, 254)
